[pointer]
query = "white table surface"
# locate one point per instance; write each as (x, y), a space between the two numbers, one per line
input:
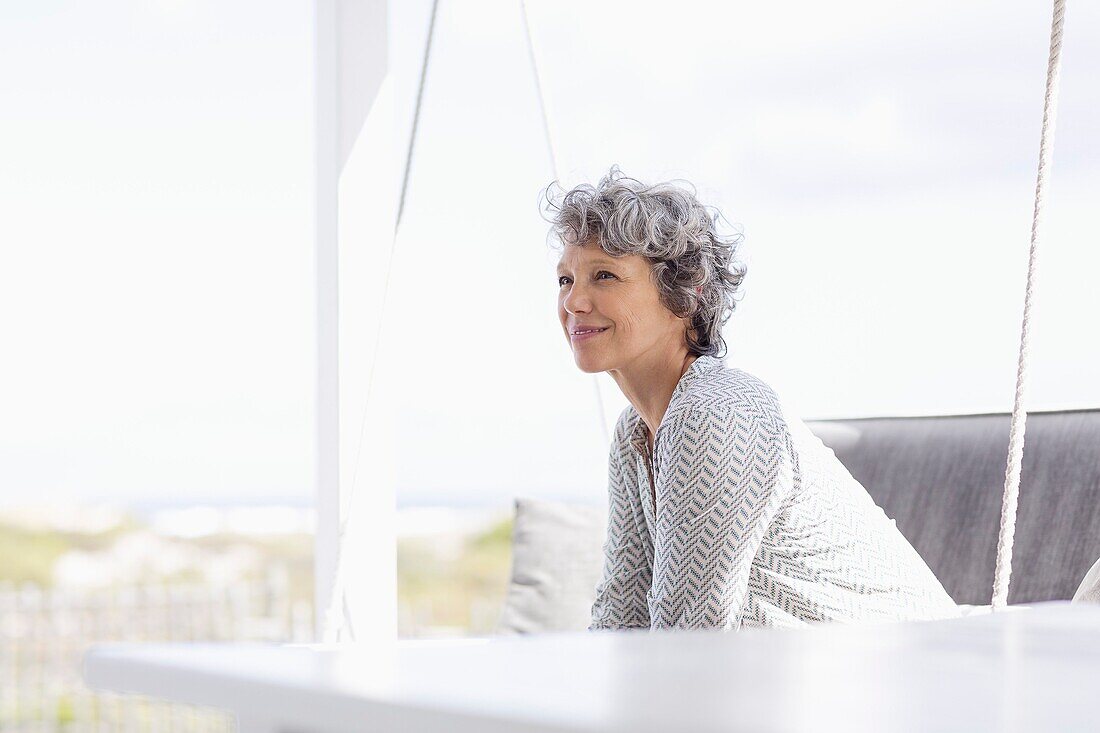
(1033, 669)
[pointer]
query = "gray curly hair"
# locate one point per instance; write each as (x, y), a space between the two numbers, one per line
(667, 225)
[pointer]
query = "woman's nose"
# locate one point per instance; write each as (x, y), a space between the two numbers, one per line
(577, 300)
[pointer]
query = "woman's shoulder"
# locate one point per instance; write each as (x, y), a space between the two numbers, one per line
(720, 389)
(716, 391)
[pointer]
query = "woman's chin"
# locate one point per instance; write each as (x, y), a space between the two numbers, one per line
(589, 363)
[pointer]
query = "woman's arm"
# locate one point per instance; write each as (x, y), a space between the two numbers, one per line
(621, 593)
(723, 477)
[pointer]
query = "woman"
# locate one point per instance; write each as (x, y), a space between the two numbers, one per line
(724, 509)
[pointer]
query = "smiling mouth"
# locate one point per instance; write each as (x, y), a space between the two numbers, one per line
(587, 331)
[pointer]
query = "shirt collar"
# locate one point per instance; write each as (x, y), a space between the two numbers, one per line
(702, 365)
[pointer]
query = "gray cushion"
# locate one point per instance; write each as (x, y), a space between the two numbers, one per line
(942, 478)
(557, 558)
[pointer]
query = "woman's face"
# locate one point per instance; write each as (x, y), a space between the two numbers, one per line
(618, 296)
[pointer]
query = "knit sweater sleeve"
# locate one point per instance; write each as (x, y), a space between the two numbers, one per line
(627, 572)
(723, 476)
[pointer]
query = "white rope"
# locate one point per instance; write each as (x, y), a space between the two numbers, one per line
(554, 170)
(538, 89)
(1019, 416)
(416, 117)
(336, 614)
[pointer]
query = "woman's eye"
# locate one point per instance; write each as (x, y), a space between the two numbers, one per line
(562, 279)
(603, 272)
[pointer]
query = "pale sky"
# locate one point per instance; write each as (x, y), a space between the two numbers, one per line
(156, 277)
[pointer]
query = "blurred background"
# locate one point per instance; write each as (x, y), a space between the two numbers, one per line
(157, 301)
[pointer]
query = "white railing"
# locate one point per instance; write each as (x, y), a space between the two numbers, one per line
(44, 634)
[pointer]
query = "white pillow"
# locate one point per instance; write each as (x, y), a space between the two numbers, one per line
(557, 559)
(1090, 586)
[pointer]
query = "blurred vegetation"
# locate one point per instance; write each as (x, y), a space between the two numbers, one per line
(27, 554)
(293, 551)
(447, 585)
(444, 588)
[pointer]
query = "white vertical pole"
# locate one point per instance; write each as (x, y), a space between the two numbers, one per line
(353, 130)
(326, 262)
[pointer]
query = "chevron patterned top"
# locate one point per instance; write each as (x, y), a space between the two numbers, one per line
(754, 522)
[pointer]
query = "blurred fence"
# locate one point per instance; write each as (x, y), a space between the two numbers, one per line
(44, 634)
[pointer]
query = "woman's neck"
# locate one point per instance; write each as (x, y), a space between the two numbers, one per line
(648, 383)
